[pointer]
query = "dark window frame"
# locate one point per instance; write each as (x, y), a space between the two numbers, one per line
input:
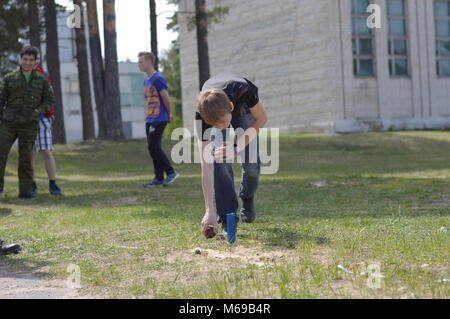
(392, 56)
(356, 57)
(439, 38)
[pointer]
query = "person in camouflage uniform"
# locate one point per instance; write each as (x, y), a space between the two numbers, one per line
(24, 95)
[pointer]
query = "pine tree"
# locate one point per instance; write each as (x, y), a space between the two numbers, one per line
(84, 78)
(113, 116)
(53, 65)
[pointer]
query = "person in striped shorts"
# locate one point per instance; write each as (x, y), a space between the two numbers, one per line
(44, 142)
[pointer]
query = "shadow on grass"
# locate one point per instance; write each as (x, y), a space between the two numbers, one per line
(5, 212)
(277, 237)
(17, 265)
(363, 197)
(375, 153)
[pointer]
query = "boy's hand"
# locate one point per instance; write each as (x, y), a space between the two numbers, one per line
(170, 118)
(209, 225)
(224, 153)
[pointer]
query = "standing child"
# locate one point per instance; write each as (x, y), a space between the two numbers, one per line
(158, 115)
(24, 95)
(44, 141)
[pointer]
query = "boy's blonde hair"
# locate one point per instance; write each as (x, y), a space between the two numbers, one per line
(148, 56)
(213, 105)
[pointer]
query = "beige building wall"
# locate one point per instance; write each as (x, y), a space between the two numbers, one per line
(299, 53)
(285, 49)
(420, 101)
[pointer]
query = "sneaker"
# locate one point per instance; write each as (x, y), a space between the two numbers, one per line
(34, 190)
(248, 210)
(27, 196)
(171, 178)
(6, 249)
(54, 190)
(154, 183)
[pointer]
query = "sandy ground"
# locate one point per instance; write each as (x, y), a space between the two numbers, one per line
(26, 286)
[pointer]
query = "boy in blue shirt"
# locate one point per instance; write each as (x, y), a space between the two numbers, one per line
(158, 115)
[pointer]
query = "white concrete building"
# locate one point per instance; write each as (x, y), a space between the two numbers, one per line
(320, 68)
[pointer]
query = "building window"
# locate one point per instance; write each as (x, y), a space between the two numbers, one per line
(362, 39)
(72, 85)
(397, 38)
(131, 90)
(442, 31)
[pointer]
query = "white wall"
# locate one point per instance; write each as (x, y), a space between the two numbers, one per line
(299, 53)
(382, 103)
(284, 47)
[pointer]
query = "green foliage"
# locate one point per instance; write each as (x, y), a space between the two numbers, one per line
(177, 122)
(214, 16)
(13, 28)
(170, 64)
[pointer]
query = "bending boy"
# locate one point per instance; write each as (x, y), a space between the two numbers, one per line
(229, 99)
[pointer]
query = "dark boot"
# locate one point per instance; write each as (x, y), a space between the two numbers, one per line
(6, 249)
(248, 210)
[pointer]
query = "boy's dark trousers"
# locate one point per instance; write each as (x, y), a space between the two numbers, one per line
(26, 133)
(154, 138)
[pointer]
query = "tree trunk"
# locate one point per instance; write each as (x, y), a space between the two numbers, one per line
(202, 41)
(113, 114)
(59, 132)
(154, 32)
(83, 79)
(98, 70)
(34, 24)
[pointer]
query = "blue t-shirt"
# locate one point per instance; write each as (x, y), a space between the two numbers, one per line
(156, 110)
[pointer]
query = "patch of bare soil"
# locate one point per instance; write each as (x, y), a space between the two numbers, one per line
(443, 203)
(27, 286)
(251, 256)
(126, 201)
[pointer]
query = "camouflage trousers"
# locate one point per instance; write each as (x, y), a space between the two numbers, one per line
(26, 133)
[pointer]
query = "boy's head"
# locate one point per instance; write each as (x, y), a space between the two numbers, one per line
(215, 108)
(28, 57)
(38, 56)
(146, 61)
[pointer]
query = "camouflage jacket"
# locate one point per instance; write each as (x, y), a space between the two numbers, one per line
(22, 102)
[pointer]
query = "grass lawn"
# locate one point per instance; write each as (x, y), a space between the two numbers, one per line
(384, 200)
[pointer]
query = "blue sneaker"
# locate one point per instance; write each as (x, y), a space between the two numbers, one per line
(27, 196)
(54, 190)
(171, 178)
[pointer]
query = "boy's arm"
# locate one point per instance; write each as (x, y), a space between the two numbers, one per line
(48, 100)
(208, 186)
(259, 114)
(167, 103)
(3, 95)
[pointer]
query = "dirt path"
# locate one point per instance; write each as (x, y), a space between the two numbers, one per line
(26, 286)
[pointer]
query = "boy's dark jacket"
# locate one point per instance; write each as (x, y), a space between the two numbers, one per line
(19, 100)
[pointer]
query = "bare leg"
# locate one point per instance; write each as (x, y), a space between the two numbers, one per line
(49, 163)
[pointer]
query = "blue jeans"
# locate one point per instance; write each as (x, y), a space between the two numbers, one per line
(225, 194)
